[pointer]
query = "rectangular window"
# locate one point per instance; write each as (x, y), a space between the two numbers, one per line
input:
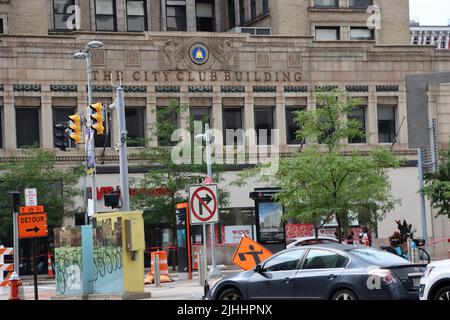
(204, 11)
(327, 33)
(60, 14)
(326, 3)
(253, 9)
(176, 18)
(202, 114)
(164, 137)
(136, 16)
(231, 14)
(27, 126)
(265, 6)
(232, 120)
(386, 124)
(60, 115)
(105, 15)
(242, 12)
(358, 114)
(291, 125)
(360, 3)
(264, 125)
(134, 117)
(361, 34)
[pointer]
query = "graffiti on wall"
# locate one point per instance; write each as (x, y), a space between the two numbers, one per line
(68, 263)
(108, 260)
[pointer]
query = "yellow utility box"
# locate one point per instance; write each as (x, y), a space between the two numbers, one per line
(119, 245)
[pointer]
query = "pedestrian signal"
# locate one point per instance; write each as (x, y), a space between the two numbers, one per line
(249, 253)
(75, 128)
(97, 118)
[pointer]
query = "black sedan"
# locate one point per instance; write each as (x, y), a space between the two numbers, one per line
(324, 271)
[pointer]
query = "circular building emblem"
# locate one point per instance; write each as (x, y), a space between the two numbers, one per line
(199, 54)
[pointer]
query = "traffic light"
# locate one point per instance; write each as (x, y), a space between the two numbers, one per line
(61, 136)
(97, 118)
(75, 128)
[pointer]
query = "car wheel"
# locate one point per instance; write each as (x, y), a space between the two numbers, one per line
(230, 294)
(344, 295)
(443, 294)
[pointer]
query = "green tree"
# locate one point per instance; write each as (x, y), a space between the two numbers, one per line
(318, 182)
(437, 187)
(56, 187)
(169, 178)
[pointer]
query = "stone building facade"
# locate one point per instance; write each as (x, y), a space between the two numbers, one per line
(240, 80)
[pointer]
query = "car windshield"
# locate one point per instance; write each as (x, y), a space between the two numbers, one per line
(377, 257)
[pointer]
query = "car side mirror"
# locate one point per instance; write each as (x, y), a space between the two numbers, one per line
(258, 268)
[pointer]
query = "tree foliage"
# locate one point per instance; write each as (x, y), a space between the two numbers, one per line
(170, 178)
(56, 187)
(318, 182)
(437, 187)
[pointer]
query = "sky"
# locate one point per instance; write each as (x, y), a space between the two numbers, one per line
(430, 12)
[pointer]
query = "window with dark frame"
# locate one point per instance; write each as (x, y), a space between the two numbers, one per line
(176, 17)
(61, 115)
(204, 11)
(231, 14)
(327, 33)
(242, 12)
(232, 120)
(60, 14)
(326, 3)
(136, 16)
(264, 124)
(27, 126)
(291, 125)
(165, 140)
(361, 33)
(202, 114)
(358, 114)
(135, 122)
(386, 124)
(253, 9)
(360, 3)
(265, 6)
(105, 15)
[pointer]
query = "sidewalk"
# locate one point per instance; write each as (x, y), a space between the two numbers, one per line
(176, 290)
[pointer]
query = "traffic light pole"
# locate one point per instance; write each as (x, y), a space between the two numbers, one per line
(124, 189)
(90, 131)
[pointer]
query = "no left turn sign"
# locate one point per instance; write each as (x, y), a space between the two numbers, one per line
(203, 203)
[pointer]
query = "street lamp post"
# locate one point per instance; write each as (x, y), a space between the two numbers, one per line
(86, 54)
(214, 271)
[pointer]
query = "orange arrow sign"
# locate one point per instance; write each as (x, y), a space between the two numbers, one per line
(32, 225)
(249, 253)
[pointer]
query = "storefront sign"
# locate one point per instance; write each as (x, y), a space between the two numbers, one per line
(233, 234)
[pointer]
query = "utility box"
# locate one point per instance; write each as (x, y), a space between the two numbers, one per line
(119, 252)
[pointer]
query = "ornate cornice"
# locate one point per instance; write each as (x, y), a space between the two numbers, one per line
(63, 88)
(200, 89)
(27, 87)
(295, 89)
(167, 89)
(233, 89)
(264, 89)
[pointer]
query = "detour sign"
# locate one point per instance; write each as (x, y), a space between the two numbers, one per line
(249, 253)
(32, 225)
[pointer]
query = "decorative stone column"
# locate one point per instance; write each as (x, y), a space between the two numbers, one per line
(46, 120)
(150, 118)
(249, 121)
(9, 122)
(280, 117)
(191, 21)
(403, 133)
(372, 117)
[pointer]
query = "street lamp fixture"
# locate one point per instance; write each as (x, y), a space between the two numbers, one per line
(95, 44)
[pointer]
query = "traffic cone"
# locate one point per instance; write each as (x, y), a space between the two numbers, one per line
(50, 268)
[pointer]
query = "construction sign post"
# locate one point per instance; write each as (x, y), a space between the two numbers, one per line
(249, 253)
(32, 225)
(203, 202)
